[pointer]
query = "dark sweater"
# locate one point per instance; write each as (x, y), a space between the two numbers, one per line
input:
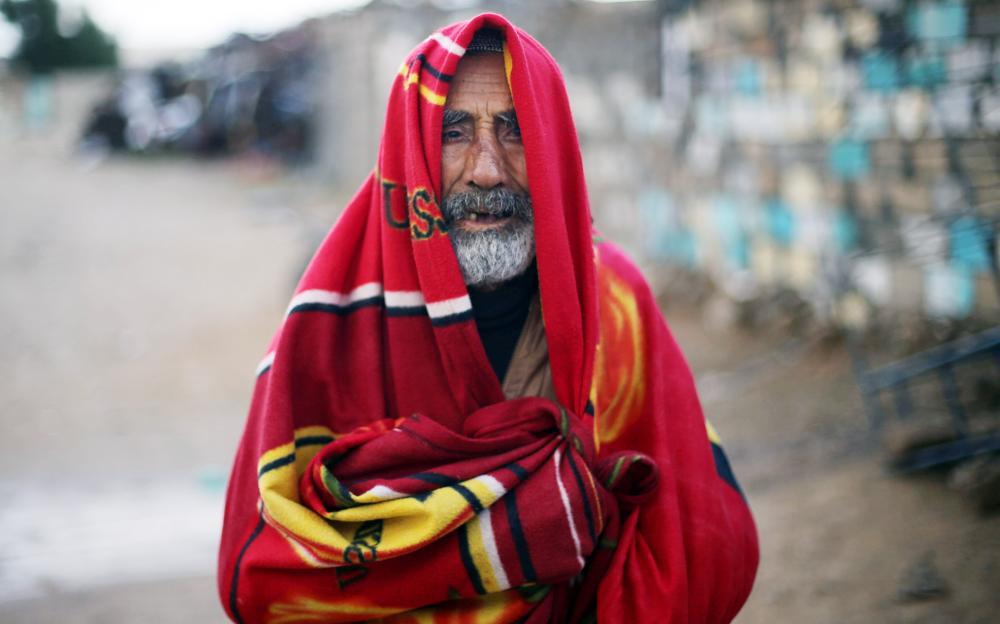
(500, 316)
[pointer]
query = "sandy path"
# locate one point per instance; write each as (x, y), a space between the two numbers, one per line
(138, 297)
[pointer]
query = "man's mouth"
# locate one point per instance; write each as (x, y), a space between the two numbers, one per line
(480, 211)
(484, 219)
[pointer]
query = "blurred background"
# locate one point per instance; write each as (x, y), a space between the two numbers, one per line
(812, 187)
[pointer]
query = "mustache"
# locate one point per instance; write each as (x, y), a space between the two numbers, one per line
(498, 202)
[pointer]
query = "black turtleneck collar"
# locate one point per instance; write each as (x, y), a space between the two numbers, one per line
(500, 316)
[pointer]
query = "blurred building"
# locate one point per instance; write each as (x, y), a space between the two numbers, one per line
(847, 150)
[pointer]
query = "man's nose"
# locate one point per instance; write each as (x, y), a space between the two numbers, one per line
(487, 168)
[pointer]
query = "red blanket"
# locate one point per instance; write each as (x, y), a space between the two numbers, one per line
(383, 475)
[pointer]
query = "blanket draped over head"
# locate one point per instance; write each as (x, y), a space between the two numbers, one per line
(382, 474)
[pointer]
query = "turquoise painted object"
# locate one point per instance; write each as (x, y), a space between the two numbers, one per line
(655, 220)
(779, 221)
(970, 243)
(880, 72)
(965, 290)
(212, 480)
(938, 22)
(927, 71)
(849, 159)
(38, 102)
(729, 221)
(747, 77)
(682, 247)
(666, 237)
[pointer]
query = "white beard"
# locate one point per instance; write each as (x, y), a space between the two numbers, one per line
(491, 257)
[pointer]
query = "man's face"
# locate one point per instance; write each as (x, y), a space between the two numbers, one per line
(484, 176)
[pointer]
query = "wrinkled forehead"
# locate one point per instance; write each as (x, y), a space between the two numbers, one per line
(480, 84)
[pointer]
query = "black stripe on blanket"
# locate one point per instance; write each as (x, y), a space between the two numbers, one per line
(469, 497)
(445, 481)
(233, 603)
(584, 497)
(518, 470)
(723, 468)
(274, 464)
(470, 565)
(333, 308)
(372, 302)
(284, 460)
(406, 311)
(451, 319)
(517, 532)
(434, 478)
(433, 71)
(317, 440)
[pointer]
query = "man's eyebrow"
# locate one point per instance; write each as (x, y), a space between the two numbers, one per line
(452, 117)
(509, 118)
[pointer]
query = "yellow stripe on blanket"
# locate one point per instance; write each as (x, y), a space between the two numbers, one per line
(713, 435)
(279, 469)
(379, 530)
(485, 555)
(413, 78)
(508, 64)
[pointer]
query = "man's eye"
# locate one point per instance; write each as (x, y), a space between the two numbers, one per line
(451, 134)
(512, 132)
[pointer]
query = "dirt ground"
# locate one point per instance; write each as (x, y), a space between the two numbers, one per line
(138, 296)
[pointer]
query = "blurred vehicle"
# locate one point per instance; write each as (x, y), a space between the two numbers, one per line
(245, 95)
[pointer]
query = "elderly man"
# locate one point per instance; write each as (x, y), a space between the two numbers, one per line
(474, 411)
